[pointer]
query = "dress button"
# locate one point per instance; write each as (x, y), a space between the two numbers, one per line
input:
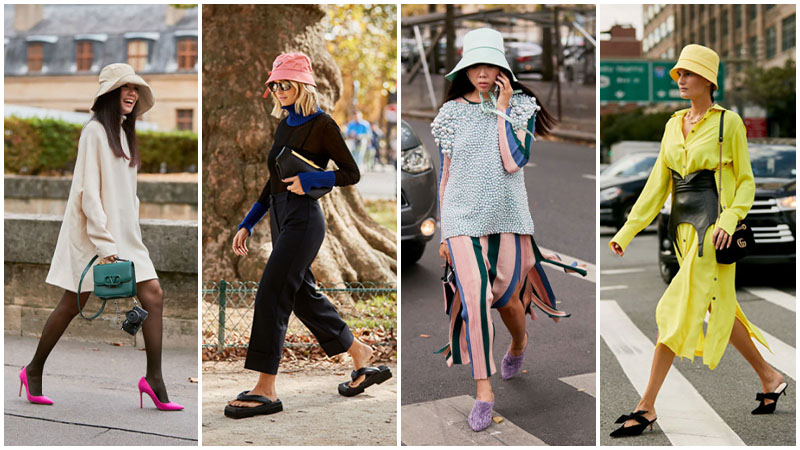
(713, 298)
(715, 279)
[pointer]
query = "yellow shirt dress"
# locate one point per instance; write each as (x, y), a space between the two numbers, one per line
(700, 284)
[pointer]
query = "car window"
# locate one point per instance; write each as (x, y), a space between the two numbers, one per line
(773, 162)
(631, 166)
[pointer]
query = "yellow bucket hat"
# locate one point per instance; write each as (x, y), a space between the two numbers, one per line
(700, 60)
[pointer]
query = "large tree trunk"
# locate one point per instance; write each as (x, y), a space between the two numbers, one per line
(239, 44)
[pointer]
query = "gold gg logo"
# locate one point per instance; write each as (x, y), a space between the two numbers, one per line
(741, 243)
(742, 227)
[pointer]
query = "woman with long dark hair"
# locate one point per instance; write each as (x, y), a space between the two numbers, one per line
(102, 219)
(485, 130)
(297, 229)
(703, 176)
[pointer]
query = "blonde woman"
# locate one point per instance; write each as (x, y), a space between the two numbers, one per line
(297, 229)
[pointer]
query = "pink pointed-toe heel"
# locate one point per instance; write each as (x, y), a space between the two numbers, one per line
(144, 388)
(38, 399)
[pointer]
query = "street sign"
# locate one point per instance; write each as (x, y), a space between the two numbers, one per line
(642, 81)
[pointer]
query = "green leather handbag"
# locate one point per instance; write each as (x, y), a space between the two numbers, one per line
(111, 281)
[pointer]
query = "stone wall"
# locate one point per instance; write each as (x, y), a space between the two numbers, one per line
(48, 195)
(30, 240)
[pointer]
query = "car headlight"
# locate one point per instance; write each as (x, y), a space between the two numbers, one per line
(787, 203)
(416, 160)
(610, 193)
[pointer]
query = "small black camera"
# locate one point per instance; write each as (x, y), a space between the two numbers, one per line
(133, 320)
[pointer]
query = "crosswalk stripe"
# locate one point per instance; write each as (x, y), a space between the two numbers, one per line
(782, 356)
(591, 269)
(614, 287)
(775, 296)
(683, 415)
(620, 271)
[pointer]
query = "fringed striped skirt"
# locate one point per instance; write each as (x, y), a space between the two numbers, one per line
(490, 271)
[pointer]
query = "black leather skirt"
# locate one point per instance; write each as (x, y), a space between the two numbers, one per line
(694, 201)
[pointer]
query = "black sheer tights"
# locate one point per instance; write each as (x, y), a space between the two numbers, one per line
(151, 297)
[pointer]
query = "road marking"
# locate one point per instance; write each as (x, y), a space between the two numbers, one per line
(584, 382)
(620, 271)
(775, 296)
(444, 422)
(591, 269)
(614, 287)
(782, 356)
(683, 415)
(588, 176)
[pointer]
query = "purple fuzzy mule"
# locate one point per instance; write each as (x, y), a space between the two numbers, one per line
(481, 416)
(512, 364)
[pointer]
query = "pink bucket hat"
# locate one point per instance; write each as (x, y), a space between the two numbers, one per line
(291, 66)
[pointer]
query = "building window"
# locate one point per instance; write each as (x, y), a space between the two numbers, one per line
(753, 47)
(35, 57)
(751, 11)
(187, 53)
(84, 56)
(787, 33)
(772, 42)
(724, 23)
(737, 16)
(137, 54)
(768, 7)
(185, 119)
(712, 31)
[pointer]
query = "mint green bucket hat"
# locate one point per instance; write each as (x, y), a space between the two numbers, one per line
(482, 46)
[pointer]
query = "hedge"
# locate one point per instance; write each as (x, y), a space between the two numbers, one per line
(47, 146)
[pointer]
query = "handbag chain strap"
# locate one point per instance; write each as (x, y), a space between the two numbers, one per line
(719, 172)
(80, 308)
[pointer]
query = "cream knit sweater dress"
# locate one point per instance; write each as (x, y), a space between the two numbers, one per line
(102, 216)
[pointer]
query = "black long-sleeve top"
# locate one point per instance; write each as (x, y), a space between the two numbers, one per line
(323, 142)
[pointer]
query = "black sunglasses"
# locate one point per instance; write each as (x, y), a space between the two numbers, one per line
(279, 86)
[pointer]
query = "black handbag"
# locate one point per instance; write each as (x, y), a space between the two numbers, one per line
(291, 162)
(742, 242)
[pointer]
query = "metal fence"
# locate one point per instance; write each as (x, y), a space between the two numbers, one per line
(228, 312)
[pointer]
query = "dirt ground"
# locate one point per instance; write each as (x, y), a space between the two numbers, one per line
(314, 412)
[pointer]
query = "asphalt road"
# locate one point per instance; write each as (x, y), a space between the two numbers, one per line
(727, 393)
(561, 193)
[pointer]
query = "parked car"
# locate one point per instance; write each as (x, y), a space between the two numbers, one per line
(524, 57)
(620, 185)
(418, 204)
(772, 217)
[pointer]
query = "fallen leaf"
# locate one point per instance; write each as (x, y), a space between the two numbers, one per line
(497, 419)
(524, 370)
(117, 344)
(424, 335)
(192, 380)
(581, 390)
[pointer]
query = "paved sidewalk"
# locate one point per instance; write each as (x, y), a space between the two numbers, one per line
(314, 413)
(94, 390)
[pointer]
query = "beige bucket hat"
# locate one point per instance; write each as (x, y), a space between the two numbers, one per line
(117, 75)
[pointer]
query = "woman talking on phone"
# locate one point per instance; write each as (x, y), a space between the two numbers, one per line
(484, 131)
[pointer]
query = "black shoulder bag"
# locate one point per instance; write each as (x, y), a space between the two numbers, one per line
(742, 242)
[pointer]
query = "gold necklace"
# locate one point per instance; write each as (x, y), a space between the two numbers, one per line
(695, 120)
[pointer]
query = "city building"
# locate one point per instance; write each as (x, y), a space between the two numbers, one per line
(621, 43)
(54, 54)
(741, 34)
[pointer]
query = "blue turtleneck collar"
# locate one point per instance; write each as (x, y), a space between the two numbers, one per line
(295, 118)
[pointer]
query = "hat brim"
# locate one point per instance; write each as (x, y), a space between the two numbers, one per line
(480, 56)
(694, 67)
(146, 99)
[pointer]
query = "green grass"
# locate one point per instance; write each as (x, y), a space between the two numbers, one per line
(384, 212)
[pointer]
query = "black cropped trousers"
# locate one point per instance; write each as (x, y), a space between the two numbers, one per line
(298, 229)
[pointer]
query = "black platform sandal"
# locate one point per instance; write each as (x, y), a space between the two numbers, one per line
(267, 406)
(634, 430)
(372, 375)
(774, 396)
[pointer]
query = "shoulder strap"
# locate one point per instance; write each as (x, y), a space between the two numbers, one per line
(486, 108)
(719, 172)
(80, 310)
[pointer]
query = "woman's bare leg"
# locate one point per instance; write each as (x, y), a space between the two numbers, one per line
(662, 361)
(513, 315)
(54, 328)
(770, 378)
